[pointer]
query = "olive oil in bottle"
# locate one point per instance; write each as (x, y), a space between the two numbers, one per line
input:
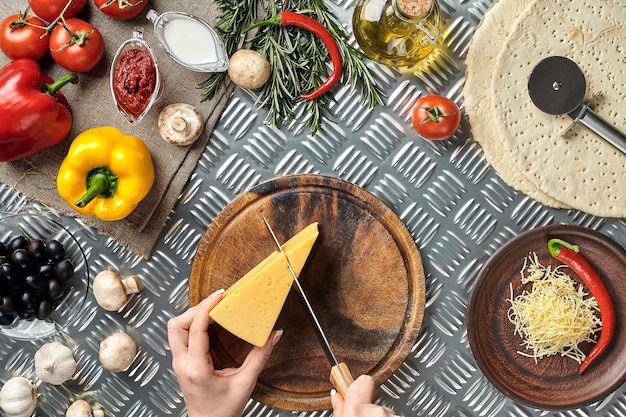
(399, 33)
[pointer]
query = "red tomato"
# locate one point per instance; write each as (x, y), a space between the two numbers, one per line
(77, 46)
(50, 10)
(121, 9)
(21, 40)
(435, 117)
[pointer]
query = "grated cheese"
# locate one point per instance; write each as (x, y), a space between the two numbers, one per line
(555, 316)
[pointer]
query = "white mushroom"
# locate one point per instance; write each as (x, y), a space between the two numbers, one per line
(249, 69)
(117, 352)
(180, 124)
(81, 408)
(111, 290)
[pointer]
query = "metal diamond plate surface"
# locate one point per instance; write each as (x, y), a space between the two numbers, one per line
(455, 206)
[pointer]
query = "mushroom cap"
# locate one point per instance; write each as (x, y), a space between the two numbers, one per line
(109, 291)
(79, 408)
(117, 352)
(249, 69)
(180, 124)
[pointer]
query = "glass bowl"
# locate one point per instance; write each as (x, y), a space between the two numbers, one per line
(41, 226)
(174, 30)
(135, 79)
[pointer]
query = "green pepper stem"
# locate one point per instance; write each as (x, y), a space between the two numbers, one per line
(274, 21)
(55, 86)
(101, 182)
(555, 245)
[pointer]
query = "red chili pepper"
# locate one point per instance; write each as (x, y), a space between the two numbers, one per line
(35, 116)
(568, 254)
(305, 22)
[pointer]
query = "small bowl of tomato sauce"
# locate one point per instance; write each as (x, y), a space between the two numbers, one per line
(135, 78)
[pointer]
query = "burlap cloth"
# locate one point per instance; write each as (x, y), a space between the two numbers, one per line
(92, 106)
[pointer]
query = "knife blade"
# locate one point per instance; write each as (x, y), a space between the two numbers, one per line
(340, 375)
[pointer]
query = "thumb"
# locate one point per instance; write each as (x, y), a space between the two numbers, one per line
(361, 391)
(258, 356)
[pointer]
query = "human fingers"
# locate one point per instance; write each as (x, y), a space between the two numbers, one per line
(178, 330)
(257, 358)
(361, 391)
(199, 328)
(337, 402)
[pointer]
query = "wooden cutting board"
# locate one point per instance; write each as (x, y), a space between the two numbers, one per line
(364, 278)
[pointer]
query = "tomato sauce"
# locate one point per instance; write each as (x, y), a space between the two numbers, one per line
(134, 81)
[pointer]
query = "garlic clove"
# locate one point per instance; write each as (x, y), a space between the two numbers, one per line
(18, 397)
(55, 363)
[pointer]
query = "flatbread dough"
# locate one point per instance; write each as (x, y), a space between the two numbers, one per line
(487, 42)
(582, 170)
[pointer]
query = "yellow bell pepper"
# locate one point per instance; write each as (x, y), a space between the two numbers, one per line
(105, 173)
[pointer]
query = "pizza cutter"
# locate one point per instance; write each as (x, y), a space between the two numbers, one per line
(557, 86)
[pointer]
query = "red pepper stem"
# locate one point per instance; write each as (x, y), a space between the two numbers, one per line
(55, 86)
(272, 21)
(101, 182)
(555, 245)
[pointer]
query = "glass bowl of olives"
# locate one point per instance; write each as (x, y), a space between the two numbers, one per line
(44, 276)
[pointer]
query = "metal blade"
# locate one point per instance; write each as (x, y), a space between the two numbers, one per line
(330, 355)
(557, 85)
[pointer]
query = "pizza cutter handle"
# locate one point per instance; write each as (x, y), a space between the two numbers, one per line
(601, 127)
(341, 378)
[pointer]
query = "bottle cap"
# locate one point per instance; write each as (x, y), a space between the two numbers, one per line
(415, 8)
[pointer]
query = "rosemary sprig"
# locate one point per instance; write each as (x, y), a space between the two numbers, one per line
(298, 59)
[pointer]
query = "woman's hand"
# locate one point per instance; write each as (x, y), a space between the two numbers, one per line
(359, 400)
(209, 392)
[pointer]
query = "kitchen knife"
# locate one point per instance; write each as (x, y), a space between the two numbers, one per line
(340, 375)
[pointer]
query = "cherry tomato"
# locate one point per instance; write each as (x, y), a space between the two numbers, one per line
(50, 10)
(77, 46)
(19, 39)
(121, 9)
(435, 117)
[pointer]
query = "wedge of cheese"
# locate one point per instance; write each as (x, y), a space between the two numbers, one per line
(250, 307)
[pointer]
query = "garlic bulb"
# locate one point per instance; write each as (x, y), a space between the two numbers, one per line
(18, 397)
(55, 363)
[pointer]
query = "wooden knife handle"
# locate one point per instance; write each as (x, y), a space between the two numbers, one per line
(340, 383)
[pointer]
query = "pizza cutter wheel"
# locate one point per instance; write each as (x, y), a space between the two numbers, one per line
(557, 86)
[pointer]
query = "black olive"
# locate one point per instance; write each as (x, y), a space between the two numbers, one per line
(55, 250)
(35, 283)
(3, 249)
(25, 315)
(37, 248)
(10, 275)
(22, 259)
(46, 270)
(6, 305)
(55, 289)
(64, 270)
(44, 309)
(19, 242)
(27, 304)
(6, 319)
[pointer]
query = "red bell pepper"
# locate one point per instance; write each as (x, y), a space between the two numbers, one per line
(35, 116)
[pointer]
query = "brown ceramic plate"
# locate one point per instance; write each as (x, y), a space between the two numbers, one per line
(553, 382)
(364, 279)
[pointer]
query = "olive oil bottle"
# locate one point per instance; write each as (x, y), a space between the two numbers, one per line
(399, 33)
